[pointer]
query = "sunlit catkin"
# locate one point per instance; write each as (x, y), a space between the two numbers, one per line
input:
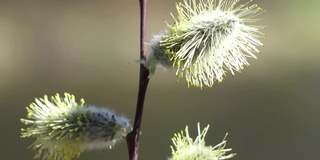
(208, 39)
(186, 148)
(64, 129)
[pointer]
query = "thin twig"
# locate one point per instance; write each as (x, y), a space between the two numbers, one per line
(133, 137)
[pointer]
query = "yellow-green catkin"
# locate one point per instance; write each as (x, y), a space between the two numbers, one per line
(208, 39)
(64, 128)
(186, 148)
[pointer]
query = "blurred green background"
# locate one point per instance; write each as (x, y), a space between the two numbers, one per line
(271, 110)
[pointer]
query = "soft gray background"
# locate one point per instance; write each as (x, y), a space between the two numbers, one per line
(271, 110)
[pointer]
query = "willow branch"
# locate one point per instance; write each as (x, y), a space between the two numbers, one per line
(133, 137)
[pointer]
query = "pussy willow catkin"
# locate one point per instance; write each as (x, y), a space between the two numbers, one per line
(186, 148)
(64, 129)
(208, 38)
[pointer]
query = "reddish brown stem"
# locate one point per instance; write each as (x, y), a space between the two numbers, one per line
(133, 137)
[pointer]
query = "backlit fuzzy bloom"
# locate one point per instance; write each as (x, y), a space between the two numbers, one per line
(64, 129)
(185, 148)
(209, 38)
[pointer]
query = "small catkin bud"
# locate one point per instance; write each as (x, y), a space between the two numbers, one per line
(185, 148)
(64, 129)
(208, 38)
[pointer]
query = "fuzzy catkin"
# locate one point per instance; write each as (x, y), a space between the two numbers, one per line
(186, 148)
(64, 129)
(208, 39)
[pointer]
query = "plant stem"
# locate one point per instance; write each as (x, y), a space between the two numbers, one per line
(133, 137)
